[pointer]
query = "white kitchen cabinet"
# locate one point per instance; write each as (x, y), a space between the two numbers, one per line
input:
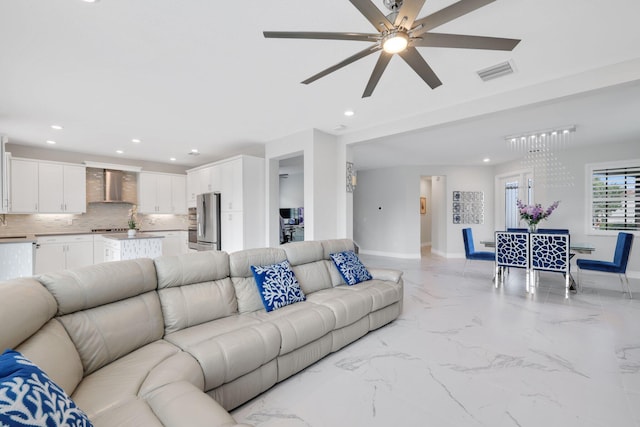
(55, 253)
(23, 186)
(161, 193)
(231, 231)
(179, 194)
(200, 181)
(240, 181)
(232, 181)
(61, 188)
(47, 187)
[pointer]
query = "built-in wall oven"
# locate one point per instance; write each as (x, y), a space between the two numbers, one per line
(193, 228)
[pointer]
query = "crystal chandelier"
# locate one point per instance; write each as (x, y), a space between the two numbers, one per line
(540, 149)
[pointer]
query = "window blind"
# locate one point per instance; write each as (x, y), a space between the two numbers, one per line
(615, 200)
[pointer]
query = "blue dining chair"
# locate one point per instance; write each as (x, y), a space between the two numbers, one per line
(619, 264)
(469, 250)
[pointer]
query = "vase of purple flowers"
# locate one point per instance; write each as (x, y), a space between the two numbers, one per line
(533, 214)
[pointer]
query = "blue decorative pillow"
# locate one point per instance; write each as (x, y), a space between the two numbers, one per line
(29, 398)
(350, 267)
(277, 285)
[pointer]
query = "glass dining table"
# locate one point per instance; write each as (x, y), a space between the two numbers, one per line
(575, 248)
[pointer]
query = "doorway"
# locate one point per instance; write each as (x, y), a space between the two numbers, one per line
(291, 204)
(426, 214)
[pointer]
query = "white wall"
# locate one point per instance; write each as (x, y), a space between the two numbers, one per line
(326, 203)
(394, 230)
(292, 191)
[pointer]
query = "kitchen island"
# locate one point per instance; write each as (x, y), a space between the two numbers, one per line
(120, 246)
(17, 257)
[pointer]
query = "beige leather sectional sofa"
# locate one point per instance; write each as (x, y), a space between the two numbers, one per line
(179, 341)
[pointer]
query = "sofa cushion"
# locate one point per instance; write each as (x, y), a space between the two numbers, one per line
(240, 263)
(187, 269)
(121, 381)
(100, 284)
(229, 348)
(382, 293)
(347, 307)
(29, 397)
(193, 304)
(52, 350)
(106, 333)
(277, 285)
(336, 245)
(26, 306)
(350, 267)
(299, 324)
(307, 262)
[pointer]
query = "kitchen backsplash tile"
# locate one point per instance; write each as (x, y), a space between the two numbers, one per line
(98, 215)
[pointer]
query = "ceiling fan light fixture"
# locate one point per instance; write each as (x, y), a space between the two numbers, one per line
(395, 42)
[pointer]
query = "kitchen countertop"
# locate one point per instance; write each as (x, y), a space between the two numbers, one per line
(18, 239)
(33, 237)
(125, 236)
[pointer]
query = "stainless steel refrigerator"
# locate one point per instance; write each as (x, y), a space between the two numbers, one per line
(208, 221)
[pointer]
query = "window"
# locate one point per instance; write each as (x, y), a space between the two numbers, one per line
(615, 197)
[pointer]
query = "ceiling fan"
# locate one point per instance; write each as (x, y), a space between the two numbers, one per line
(400, 33)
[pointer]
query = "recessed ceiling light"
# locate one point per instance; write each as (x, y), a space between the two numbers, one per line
(194, 150)
(173, 159)
(91, 1)
(119, 151)
(51, 142)
(56, 127)
(349, 113)
(136, 141)
(486, 160)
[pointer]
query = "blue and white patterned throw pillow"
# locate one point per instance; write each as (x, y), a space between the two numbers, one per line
(29, 398)
(277, 285)
(350, 267)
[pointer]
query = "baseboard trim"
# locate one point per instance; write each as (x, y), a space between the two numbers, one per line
(390, 254)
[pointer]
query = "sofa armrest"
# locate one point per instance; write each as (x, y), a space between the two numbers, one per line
(385, 274)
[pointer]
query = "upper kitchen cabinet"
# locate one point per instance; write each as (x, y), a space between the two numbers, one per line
(162, 193)
(198, 181)
(23, 186)
(46, 187)
(61, 188)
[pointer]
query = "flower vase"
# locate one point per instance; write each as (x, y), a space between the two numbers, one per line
(533, 228)
(131, 232)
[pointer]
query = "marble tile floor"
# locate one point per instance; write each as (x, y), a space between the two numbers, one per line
(464, 353)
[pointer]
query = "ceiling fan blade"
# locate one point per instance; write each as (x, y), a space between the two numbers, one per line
(408, 13)
(349, 60)
(464, 42)
(365, 37)
(447, 14)
(381, 65)
(420, 66)
(373, 14)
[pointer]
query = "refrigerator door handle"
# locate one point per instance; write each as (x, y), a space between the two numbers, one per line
(204, 215)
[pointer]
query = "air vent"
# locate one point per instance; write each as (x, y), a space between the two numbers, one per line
(496, 71)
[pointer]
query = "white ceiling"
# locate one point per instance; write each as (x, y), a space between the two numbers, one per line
(199, 74)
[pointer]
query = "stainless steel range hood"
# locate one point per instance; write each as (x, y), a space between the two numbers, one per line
(111, 183)
(113, 186)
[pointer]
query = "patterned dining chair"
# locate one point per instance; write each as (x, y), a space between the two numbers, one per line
(512, 250)
(550, 252)
(619, 264)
